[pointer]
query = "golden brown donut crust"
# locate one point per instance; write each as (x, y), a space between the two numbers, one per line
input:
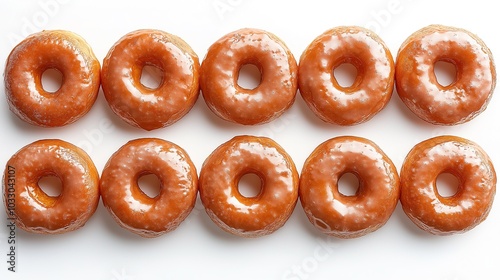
(51, 49)
(220, 71)
(477, 185)
(417, 84)
(140, 105)
(249, 216)
(34, 210)
(372, 87)
(130, 206)
(348, 216)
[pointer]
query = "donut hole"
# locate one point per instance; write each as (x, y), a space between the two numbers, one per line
(249, 76)
(151, 76)
(447, 184)
(51, 80)
(250, 185)
(51, 185)
(445, 72)
(345, 74)
(150, 185)
(348, 184)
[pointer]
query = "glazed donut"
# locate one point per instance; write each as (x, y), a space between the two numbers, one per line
(454, 214)
(35, 211)
(53, 49)
(347, 216)
(130, 206)
(372, 87)
(220, 72)
(137, 104)
(417, 85)
(249, 216)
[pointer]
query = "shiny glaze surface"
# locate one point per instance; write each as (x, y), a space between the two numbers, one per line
(37, 212)
(372, 87)
(418, 87)
(220, 71)
(343, 216)
(249, 216)
(140, 105)
(130, 206)
(55, 49)
(477, 185)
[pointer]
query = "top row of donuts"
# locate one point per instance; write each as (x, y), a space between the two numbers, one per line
(182, 77)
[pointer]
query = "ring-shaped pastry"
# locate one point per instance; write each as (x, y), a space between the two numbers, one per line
(249, 216)
(65, 52)
(460, 212)
(34, 210)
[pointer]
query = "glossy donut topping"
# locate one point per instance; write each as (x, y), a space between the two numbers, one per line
(130, 206)
(138, 104)
(36, 211)
(249, 216)
(417, 85)
(343, 216)
(69, 54)
(220, 70)
(460, 212)
(372, 87)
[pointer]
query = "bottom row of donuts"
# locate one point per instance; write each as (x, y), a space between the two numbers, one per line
(331, 212)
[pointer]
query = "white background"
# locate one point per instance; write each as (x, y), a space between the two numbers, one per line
(198, 249)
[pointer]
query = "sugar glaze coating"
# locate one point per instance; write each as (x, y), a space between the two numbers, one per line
(417, 84)
(372, 87)
(137, 104)
(477, 185)
(220, 71)
(343, 216)
(52, 49)
(130, 206)
(249, 216)
(34, 210)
